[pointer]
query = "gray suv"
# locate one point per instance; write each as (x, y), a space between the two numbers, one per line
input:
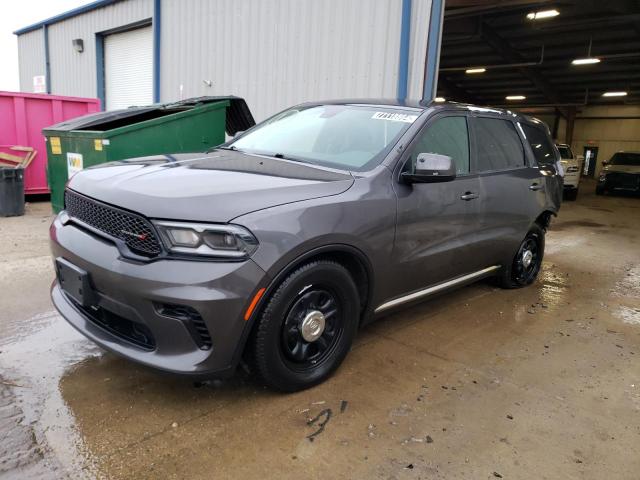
(277, 246)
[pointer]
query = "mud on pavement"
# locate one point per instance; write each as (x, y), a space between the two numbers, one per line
(478, 383)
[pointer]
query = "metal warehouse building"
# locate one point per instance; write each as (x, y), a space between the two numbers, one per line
(274, 53)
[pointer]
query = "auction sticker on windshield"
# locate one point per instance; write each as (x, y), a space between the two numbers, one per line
(395, 117)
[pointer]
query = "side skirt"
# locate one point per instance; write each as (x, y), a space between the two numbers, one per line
(436, 288)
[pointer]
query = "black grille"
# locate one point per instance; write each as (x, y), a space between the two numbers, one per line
(624, 180)
(134, 230)
(192, 320)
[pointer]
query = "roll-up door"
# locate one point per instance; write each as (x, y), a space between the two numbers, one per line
(128, 68)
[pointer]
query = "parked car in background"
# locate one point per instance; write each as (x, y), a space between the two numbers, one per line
(620, 174)
(279, 245)
(572, 166)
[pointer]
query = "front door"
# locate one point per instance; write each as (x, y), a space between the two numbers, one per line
(437, 222)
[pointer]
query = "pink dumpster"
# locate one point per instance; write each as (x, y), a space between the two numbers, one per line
(22, 118)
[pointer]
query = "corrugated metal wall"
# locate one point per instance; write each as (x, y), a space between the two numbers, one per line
(74, 73)
(31, 56)
(420, 15)
(275, 53)
(281, 52)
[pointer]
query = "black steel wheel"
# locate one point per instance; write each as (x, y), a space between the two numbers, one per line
(311, 328)
(527, 261)
(306, 328)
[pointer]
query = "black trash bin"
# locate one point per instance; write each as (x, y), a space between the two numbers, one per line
(11, 191)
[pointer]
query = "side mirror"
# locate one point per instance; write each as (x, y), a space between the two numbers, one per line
(431, 167)
(548, 169)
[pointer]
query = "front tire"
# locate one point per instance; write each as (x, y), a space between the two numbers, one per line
(307, 327)
(527, 261)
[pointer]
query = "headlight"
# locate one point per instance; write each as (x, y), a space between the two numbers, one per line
(209, 240)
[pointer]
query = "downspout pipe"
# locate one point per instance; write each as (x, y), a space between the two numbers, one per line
(157, 20)
(432, 62)
(47, 63)
(405, 45)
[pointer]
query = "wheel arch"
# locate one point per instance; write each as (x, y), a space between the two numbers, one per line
(544, 219)
(352, 258)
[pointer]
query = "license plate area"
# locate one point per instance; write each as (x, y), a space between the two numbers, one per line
(76, 283)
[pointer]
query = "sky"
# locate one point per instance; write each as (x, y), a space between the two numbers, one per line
(15, 15)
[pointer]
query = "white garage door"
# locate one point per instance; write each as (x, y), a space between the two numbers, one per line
(128, 68)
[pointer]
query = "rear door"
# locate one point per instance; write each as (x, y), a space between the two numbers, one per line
(546, 156)
(436, 222)
(511, 189)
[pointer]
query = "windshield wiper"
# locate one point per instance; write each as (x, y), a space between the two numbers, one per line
(282, 156)
(232, 148)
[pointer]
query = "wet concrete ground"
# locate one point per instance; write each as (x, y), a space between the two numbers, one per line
(479, 383)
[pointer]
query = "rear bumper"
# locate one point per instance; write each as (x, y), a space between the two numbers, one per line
(571, 181)
(135, 295)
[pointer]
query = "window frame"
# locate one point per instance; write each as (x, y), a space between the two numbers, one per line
(519, 134)
(428, 122)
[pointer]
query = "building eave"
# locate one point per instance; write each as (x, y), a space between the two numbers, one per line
(63, 16)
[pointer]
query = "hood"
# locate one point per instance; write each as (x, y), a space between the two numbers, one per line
(622, 168)
(214, 187)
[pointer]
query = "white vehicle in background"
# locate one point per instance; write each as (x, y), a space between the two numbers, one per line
(571, 166)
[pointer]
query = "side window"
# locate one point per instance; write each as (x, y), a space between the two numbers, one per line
(499, 146)
(540, 144)
(446, 136)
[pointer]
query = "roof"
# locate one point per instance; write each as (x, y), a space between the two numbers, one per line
(63, 16)
(422, 105)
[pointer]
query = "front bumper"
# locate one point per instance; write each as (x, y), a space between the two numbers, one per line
(619, 181)
(136, 293)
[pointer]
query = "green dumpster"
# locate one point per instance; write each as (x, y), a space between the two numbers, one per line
(192, 125)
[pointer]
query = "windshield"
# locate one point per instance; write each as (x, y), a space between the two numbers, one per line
(625, 158)
(349, 137)
(565, 152)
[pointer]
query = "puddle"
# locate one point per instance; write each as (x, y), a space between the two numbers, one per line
(32, 364)
(553, 288)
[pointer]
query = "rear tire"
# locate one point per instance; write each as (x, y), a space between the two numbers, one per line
(600, 191)
(571, 194)
(307, 327)
(525, 267)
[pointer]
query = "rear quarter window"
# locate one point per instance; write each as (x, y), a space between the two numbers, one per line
(541, 144)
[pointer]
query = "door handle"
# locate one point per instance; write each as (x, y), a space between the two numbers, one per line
(535, 186)
(468, 196)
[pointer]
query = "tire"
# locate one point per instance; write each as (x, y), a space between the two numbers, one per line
(281, 356)
(516, 275)
(571, 194)
(600, 191)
